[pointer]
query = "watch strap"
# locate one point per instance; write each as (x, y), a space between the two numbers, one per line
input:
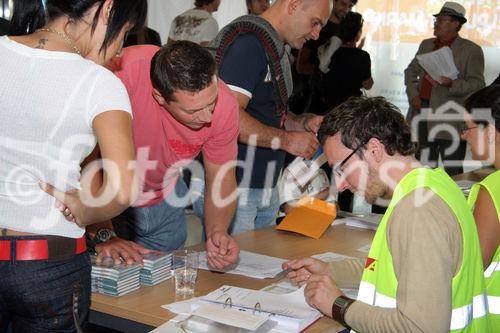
(339, 308)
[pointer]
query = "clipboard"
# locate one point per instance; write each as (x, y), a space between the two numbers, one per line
(311, 217)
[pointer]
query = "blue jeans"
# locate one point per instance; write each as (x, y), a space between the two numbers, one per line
(159, 227)
(43, 295)
(257, 208)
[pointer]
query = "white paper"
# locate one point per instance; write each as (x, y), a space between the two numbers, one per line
(282, 287)
(291, 305)
(231, 316)
(365, 248)
(331, 256)
(251, 264)
(326, 51)
(351, 293)
(365, 221)
(439, 63)
(168, 327)
(301, 172)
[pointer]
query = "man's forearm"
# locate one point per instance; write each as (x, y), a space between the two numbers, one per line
(263, 135)
(218, 218)
(295, 122)
(220, 201)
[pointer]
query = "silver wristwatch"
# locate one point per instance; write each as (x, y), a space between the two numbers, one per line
(103, 235)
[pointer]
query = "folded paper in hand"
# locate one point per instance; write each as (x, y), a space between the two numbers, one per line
(439, 63)
(303, 171)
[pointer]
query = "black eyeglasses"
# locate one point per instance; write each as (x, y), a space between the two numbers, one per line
(463, 128)
(338, 167)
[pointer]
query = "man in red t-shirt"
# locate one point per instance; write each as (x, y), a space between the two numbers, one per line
(180, 109)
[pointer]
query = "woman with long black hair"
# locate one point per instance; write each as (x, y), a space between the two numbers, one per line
(57, 102)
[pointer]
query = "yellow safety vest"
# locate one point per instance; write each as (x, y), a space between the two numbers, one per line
(379, 283)
(492, 273)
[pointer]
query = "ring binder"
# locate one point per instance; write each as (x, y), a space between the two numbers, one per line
(249, 309)
(257, 307)
(228, 301)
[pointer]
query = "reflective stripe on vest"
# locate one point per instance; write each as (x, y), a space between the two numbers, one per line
(369, 295)
(494, 304)
(493, 267)
(461, 317)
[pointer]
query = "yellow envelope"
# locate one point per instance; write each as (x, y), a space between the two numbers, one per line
(311, 217)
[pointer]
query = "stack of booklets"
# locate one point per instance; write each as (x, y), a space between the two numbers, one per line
(114, 279)
(156, 268)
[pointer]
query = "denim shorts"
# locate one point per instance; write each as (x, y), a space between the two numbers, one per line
(45, 295)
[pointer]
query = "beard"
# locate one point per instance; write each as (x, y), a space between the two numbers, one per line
(375, 189)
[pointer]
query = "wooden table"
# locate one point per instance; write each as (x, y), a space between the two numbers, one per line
(475, 175)
(140, 311)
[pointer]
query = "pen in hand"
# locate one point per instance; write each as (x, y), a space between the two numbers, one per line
(283, 273)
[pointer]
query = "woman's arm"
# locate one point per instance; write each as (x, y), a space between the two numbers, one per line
(113, 130)
(488, 226)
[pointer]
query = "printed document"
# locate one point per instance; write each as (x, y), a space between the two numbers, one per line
(251, 264)
(439, 63)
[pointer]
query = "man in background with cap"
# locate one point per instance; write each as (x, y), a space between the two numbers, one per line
(424, 92)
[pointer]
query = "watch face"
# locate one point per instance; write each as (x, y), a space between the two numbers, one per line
(340, 301)
(103, 235)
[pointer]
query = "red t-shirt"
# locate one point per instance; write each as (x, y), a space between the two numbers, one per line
(158, 137)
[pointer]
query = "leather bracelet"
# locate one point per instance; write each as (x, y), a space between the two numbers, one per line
(339, 308)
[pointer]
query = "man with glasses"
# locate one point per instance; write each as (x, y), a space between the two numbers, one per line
(424, 269)
(424, 92)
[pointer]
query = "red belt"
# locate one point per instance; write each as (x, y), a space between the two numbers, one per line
(37, 249)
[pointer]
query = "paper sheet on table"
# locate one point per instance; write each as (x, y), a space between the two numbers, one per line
(285, 286)
(251, 264)
(365, 221)
(311, 217)
(439, 63)
(331, 256)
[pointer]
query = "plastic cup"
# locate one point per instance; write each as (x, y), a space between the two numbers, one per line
(185, 266)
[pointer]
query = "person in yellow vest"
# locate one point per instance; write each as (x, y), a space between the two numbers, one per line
(424, 270)
(483, 137)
